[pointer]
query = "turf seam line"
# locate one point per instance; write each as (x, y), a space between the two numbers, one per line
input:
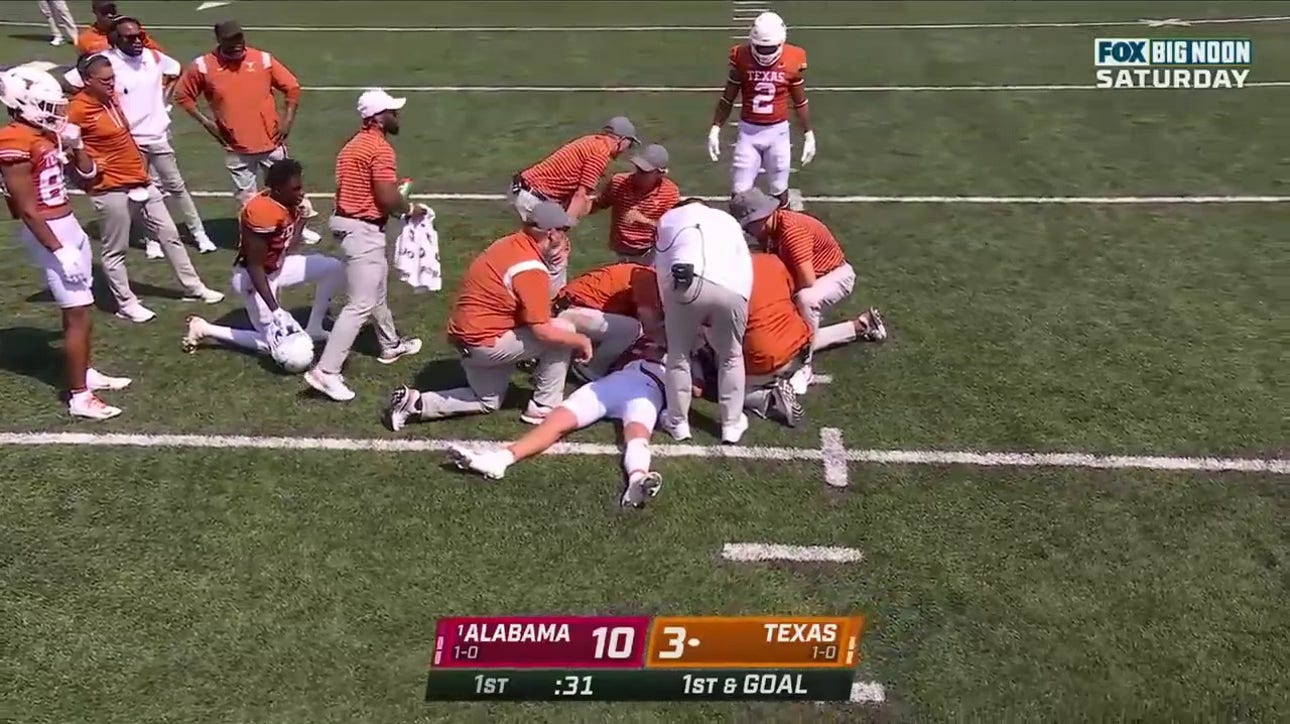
(1143, 22)
(1275, 466)
(835, 457)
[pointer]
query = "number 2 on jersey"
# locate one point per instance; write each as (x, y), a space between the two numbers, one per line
(763, 100)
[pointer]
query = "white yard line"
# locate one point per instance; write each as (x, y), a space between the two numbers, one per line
(868, 692)
(835, 457)
(1027, 200)
(1141, 23)
(763, 552)
(1020, 88)
(1275, 466)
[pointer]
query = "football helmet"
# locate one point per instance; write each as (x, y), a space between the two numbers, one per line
(35, 96)
(293, 352)
(767, 38)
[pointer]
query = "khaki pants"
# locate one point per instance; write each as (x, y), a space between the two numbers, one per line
(116, 212)
(366, 273)
(827, 291)
(244, 168)
(488, 374)
(684, 312)
(59, 18)
(612, 334)
(525, 202)
(165, 174)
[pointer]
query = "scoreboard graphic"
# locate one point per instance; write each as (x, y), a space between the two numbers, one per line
(639, 658)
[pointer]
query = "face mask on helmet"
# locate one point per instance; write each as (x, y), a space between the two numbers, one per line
(767, 38)
(37, 97)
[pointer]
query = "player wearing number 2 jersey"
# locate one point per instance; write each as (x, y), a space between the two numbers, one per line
(768, 74)
(33, 148)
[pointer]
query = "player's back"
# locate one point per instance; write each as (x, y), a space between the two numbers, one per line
(775, 330)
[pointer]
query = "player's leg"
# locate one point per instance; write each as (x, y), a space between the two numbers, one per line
(156, 220)
(777, 158)
(488, 375)
(393, 346)
(254, 340)
(869, 326)
(242, 173)
(326, 272)
(746, 160)
(549, 376)
(639, 416)
(680, 327)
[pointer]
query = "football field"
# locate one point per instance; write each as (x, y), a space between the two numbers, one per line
(1062, 484)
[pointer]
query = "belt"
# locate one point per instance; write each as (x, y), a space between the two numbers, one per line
(518, 184)
(560, 303)
(378, 223)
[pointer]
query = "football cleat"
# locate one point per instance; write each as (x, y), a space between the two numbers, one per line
(403, 403)
(784, 399)
(640, 488)
(875, 327)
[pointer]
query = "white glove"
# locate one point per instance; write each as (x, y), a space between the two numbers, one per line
(283, 324)
(714, 142)
(71, 266)
(808, 147)
(70, 136)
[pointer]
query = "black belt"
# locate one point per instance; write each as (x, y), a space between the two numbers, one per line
(378, 223)
(518, 184)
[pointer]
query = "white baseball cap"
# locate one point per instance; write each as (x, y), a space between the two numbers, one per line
(378, 101)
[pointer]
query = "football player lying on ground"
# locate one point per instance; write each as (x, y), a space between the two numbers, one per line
(267, 226)
(632, 394)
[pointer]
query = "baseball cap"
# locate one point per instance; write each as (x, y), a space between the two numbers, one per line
(549, 215)
(227, 29)
(752, 205)
(620, 126)
(652, 158)
(375, 101)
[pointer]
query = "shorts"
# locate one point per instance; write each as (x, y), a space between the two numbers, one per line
(628, 395)
(69, 233)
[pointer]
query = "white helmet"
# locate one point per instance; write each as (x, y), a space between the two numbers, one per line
(294, 352)
(767, 38)
(35, 95)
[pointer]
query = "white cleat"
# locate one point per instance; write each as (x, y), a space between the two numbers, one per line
(136, 313)
(152, 249)
(96, 380)
(310, 237)
(332, 385)
(406, 347)
(195, 334)
(678, 429)
(87, 405)
(56, 41)
(205, 294)
(731, 434)
(204, 243)
(403, 404)
(491, 464)
(640, 489)
(801, 380)
(534, 413)
(875, 329)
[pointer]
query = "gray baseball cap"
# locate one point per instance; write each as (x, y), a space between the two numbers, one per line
(752, 205)
(620, 126)
(549, 215)
(652, 158)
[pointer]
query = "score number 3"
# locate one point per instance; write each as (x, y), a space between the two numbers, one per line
(763, 100)
(676, 641)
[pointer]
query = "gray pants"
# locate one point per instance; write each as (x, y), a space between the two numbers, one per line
(726, 313)
(757, 398)
(116, 212)
(612, 335)
(165, 174)
(488, 374)
(366, 272)
(59, 18)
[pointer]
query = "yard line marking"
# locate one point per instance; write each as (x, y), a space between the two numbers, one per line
(762, 552)
(1030, 200)
(821, 380)
(702, 28)
(1276, 466)
(714, 89)
(213, 5)
(868, 692)
(835, 457)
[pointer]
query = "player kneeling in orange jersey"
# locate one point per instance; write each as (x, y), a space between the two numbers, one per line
(610, 305)
(632, 394)
(32, 154)
(267, 226)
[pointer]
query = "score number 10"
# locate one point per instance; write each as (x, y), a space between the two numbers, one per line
(616, 642)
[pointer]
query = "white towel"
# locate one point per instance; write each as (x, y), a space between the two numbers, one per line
(416, 254)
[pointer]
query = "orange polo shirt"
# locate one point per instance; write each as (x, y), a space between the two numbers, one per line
(775, 332)
(620, 196)
(106, 135)
(240, 95)
(507, 286)
(366, 159)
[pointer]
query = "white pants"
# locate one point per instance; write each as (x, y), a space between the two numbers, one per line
(628, 395)
(758, 147)
(813, 301)
(296, 269)
(70, 234)
(59, 18)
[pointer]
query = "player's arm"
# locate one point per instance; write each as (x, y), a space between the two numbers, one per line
(170, 72)
(255, 250)
(532, 294)
(22, 198)
(801, 107)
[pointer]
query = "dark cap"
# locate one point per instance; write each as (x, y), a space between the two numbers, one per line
(549, 215)
(752, 205)
(227, 30)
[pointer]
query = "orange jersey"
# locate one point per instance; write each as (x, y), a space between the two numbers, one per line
(363, 161)
(92, 40)
(505, 287)
(765, 88)
(609, 288)
(798, 238)
(106, 134)
(21, 143)
(265, 217)
(577, 164)
(620, 197)
(240, 95)
(775, 332)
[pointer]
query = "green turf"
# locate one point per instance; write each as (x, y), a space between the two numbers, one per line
(167, 585)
